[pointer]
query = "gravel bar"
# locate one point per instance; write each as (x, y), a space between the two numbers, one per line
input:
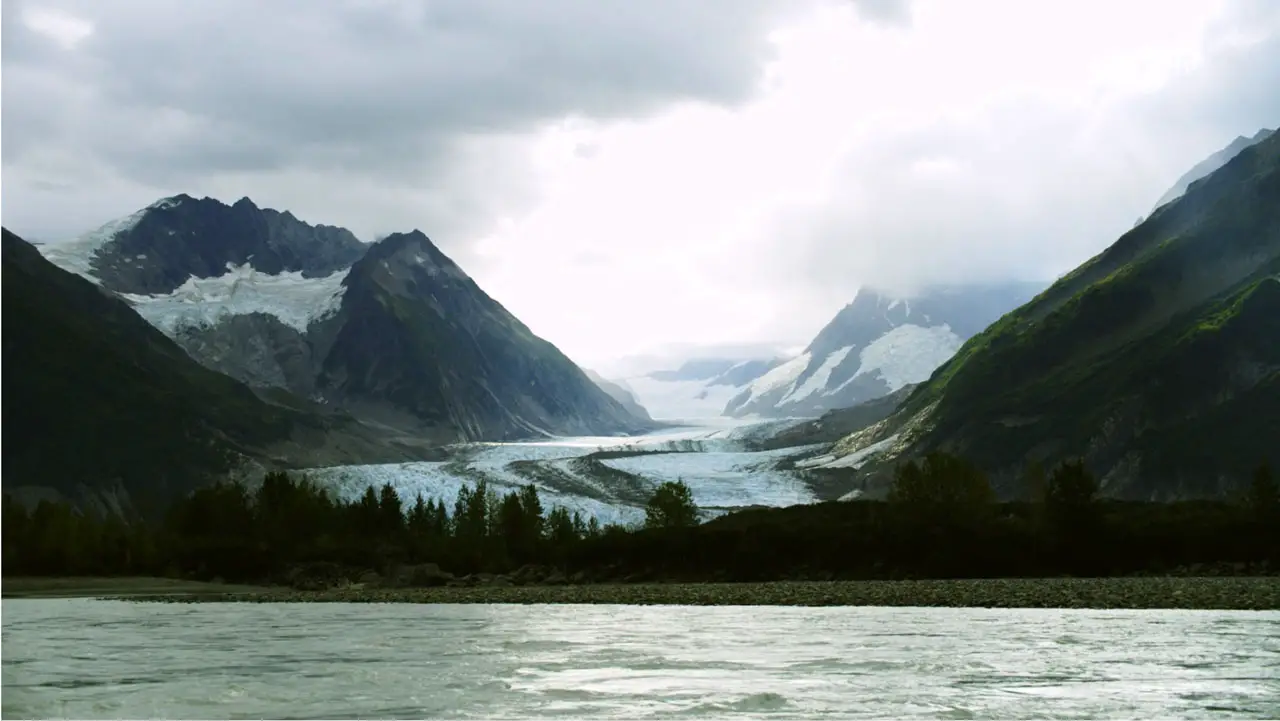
(1224, 593)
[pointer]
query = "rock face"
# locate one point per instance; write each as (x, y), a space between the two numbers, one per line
(159, 248)
(1157, 361)
(394, 332)
(415, 333)
(876, 345)
(101, 408)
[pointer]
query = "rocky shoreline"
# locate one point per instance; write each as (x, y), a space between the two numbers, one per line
(1206, 593)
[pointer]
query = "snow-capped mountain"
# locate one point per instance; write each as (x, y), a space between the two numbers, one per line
(876, 345)
(699, 389)
(159, 248)
(104, 411)
(1211, 164)
(393, 331)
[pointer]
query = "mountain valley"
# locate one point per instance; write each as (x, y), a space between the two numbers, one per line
(385, 363)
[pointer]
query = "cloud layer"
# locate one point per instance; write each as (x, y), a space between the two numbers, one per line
(629, 176)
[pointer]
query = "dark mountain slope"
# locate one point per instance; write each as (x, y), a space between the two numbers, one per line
(417, 334)
(1212, 163)
(1157, 360)
(99, 404)
(394, 331)
(620, 394)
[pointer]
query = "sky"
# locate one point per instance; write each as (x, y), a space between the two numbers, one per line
(650, 179)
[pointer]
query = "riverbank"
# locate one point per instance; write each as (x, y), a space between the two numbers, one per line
(1211, 593)
(116, 587)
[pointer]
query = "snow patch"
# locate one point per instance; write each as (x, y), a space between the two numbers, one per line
(76, 255)
(858, 458)
(815, 462)
(202, 302)
(782, 375)
(907, 354)
(818, 380)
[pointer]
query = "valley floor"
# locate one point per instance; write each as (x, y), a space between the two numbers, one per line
(1242, 593)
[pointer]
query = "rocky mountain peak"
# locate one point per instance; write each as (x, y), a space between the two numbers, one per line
(408, 264)
(155, 250)
(876, 345)
(870, 314)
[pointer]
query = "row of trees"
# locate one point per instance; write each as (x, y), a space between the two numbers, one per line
(940, 519)
(228, 531)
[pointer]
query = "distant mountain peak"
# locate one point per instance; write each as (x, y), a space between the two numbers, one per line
(1211, 164)
(156, 249)
(877, 344)
(398, 259)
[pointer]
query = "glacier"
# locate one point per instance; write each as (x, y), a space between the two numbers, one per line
(713, 460)
(907, 354)
(202, 302)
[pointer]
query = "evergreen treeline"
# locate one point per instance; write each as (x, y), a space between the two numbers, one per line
(940, 521)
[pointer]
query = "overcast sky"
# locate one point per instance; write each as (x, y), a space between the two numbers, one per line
(638, 176)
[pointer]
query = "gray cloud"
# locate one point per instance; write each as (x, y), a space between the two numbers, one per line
(384, 115)
(379, 93)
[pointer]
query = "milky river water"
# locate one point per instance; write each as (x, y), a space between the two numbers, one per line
(78, 658)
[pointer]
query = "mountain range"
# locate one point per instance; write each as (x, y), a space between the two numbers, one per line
(194, 339)
(394, 331)
(101, 407)
(1157, 361)
(874, 346)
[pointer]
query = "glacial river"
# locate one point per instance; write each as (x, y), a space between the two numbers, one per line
(78, 658)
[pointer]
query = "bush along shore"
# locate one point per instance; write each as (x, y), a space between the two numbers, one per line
(939, 539)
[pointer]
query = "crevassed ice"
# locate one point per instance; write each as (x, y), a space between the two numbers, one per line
(858, 458)
(779, 377)
(200, 302)
(718, 476)
(433, 481)
(907, 354)
(720, 479)
(818, 380)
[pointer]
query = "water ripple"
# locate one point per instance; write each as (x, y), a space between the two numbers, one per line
(76, 658)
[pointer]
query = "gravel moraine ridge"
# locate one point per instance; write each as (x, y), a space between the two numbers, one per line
(1233, 593)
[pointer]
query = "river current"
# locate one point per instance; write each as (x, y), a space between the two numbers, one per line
(79, 658)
